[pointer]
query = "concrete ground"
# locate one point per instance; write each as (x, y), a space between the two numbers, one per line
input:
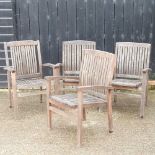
(28, 133)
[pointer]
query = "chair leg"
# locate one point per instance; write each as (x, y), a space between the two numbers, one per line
(10, 96)
(79, 131)
(14, 91)
(84, 114)
(115, 96)
(142, 105)
(41, 96)
(146, 96)
(49, 115)
(109, 106)
(15, 104)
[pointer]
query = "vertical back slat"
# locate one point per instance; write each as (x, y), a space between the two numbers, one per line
(26, 58)
(132, 58)
(73, 53)
(97, 69)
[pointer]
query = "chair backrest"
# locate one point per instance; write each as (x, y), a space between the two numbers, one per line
(97, 68)
(131, 59)
(73, 53)
(25, 57)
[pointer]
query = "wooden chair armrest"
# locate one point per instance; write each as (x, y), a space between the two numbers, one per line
(146, 70)
(49, 78)
(52, 65)
(10, 69)
(81, 88)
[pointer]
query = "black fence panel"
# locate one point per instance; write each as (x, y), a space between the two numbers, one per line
(103, 21)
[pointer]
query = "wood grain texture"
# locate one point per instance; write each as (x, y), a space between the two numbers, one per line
(96, 73)
(132, 60)
(25, 69)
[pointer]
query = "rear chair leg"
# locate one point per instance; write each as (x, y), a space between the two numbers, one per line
(142, 105)
(49, 116)
(15, 104)
(79, 131)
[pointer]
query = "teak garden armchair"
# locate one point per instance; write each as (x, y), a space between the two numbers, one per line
(94, 90)
(24, 69)
(72, 54)
(132, 69)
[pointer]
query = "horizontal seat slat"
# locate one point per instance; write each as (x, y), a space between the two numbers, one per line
(126, 83)
(72, 100)
(31, 93)
(28, 83)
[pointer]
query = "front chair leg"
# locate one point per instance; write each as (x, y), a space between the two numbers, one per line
(41, 96)
(109, 106)
(146, 96)
(115, 96)
(10, 97)
(15, 104)
(14, 91)
(49, 113)
(84, 114)
(80, 118)
(79, 130)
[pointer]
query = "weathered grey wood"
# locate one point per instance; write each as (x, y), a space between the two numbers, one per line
(96, 74)
(72, 54)
(24, 71)
(132, 69)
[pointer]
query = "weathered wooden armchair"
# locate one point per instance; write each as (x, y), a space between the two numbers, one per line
(132, 69)
(24, 69)
(94, 90)
(72, 54)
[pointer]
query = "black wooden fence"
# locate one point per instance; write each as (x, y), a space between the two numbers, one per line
(104, 21)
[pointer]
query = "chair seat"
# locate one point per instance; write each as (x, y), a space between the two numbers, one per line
(71, 81)
(126, 83)
(30, 83)
(72, 99)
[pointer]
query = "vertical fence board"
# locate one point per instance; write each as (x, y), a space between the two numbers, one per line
(119, 31)
(71, 25)
(138, 21)
(100, 24)
(128, 20)
(62, 26)
(81, 19)
(90, 20)
(34, 22)
(108, 25)
(43, 29)
(24, 20)
(147, 21)
(53, 45)
(18, 19)
(152, 65)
